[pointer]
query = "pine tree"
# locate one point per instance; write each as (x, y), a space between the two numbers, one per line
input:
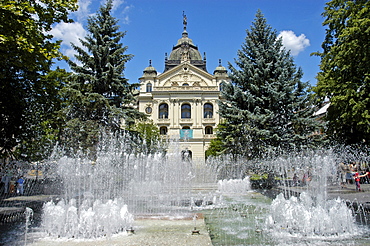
(266, 107)
(99, 96)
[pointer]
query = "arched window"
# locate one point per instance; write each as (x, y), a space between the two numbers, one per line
(185, 84)
(163, 130)
(208, 110)
(222, 85)
(185, 111)
(163, 111)
(149, 87)
(186, 155)
(208, 130)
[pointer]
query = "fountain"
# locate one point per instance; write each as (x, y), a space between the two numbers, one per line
(249, 219)
(102, 197)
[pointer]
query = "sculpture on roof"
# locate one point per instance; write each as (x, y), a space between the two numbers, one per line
(185, 19)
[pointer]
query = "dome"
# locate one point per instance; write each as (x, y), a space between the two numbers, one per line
(150, 70)
(220, 69)
(185, 49)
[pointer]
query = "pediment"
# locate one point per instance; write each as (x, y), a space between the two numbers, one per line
(185, 74)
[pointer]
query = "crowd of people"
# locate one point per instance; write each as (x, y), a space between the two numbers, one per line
(11, 181)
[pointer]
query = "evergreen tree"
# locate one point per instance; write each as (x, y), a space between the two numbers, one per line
(345, 70)
(266, 107)
(99, 96)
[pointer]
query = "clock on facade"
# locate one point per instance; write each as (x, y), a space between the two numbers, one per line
(148, 110)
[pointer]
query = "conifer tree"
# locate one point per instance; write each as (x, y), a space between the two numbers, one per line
(266, 107)
(99, 96)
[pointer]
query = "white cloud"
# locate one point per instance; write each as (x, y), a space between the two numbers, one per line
(69, 33)
(294, 43)
(83, 10)
(72, 32)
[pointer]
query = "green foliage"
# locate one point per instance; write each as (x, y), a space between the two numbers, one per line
(266, 107)
(148, 134)
(98, 96)
(345, 70)
(26, 53)
(215, 148)
(44, 132)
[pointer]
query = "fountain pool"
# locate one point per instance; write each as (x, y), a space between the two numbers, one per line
(102, 198)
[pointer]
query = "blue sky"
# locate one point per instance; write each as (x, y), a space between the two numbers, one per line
(217, 27)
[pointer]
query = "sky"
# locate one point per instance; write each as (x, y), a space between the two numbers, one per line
(217, 27)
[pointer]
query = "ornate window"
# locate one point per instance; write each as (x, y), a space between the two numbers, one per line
(163, 111)
(208, 110)
(185, 111)
(208, 130)
(163, 130)
(222, 85)
(149, 87)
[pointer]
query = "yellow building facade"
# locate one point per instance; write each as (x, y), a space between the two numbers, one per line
(182, 101)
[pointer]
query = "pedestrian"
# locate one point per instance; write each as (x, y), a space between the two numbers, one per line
(295, 180)
(343, 171)
(6, 180)
(357, 178)
(20, 189)
(349, 174)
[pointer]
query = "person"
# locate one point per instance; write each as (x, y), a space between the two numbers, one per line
(20, 183)
(306, 178)
(295, 179)
(357, 178)
(349, 174)
(343, 170)
(6, 180)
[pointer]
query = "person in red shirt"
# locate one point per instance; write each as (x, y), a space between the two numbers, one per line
(357, 178)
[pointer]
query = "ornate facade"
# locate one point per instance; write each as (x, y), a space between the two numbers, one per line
(182, 100)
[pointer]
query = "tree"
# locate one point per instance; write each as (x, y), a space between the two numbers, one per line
(148, 136)
(43, 134)
(345, 70)
(26, 53)
(98, 96)
(266, 107)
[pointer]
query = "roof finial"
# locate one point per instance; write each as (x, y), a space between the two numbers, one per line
(219, 62)
(150, 63)
(185, 20)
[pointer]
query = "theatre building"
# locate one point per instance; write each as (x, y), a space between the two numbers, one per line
(182, 100)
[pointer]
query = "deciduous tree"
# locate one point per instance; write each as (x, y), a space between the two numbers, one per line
(344, 78)
(26, 53)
